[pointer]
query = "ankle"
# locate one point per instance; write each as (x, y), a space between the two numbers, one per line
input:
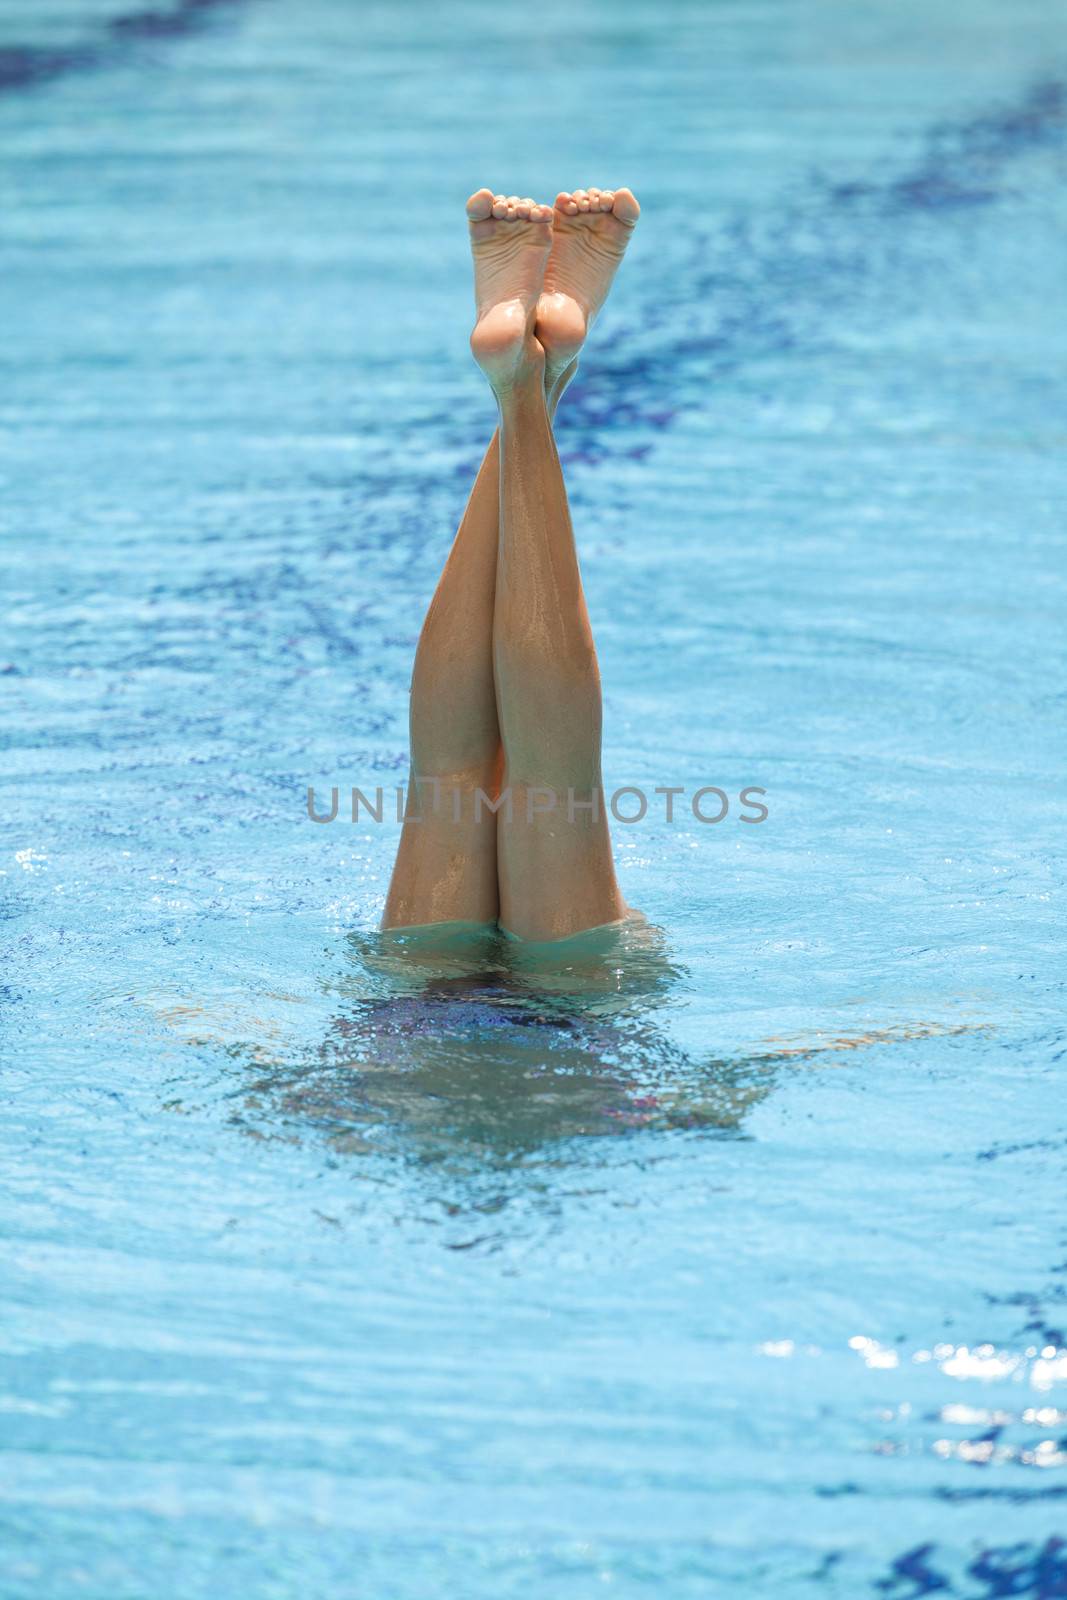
(520, 382)
(522, 399)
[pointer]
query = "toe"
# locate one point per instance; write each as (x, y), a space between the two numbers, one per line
(522, 210)
(607, 199)
(565, 204)
(581, 199)
(626, 207)
(480, 205)
(500, 208)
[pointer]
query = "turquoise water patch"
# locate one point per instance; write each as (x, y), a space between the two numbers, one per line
(724, 1259)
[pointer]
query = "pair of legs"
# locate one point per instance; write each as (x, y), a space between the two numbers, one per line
(505, 695)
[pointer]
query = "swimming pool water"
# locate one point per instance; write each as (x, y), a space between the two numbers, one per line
(728, 1261)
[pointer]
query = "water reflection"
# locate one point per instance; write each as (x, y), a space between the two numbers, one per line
(471, 1041)
(471, 1044)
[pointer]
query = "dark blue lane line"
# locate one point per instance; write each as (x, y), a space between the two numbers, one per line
(962, 162)
(765, 284)
(32, 66)
(1025, 1571)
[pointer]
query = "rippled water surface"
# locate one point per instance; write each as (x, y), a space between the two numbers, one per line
(728, 1258)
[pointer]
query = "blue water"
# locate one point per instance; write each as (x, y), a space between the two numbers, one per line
(726, 1261)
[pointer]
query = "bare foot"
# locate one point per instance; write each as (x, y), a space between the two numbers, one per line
(510, 241)
(592, 229)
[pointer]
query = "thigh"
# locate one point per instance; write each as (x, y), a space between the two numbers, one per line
(555, 866)
(446, 865)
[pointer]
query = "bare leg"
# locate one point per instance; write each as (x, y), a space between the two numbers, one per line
(555, 867)
(446, 868)
(445, 872)
(556, 873)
